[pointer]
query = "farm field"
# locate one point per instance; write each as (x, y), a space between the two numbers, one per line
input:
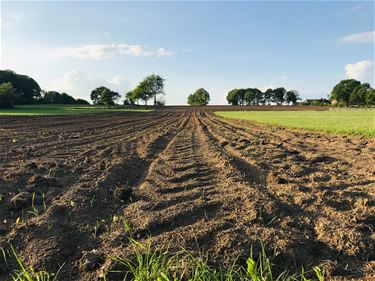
(74, 187)
(356, 121)
(60, 109)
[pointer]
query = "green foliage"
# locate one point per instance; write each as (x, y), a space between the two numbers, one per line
(109, 97)
(53, 97)
(104, 96)
(27, 274)
(370, 98)
(161, 265)
(254, 96)
(292, 97)
(342, 91)
(279, 95)
(7, 95)
(356, 121)
(27, 89)
(199, 97)
(150, 87)
(129, 98)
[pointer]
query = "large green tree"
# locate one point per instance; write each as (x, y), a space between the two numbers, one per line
(129, 98)
(199, 97)
(232, 97)
(27, 89)
(268, 96)
(96, 94)
(104, 96)
(342, 91)
(108, 97)
(358, 96)
(279, 95)
(291, 96)
(149, 88)
(370, 97)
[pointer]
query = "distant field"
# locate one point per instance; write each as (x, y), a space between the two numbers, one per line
(60, 109)
(355, 122)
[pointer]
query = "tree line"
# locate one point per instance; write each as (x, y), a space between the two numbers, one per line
(351, 92)
(22, 89)
(151, 87)
(254, 96)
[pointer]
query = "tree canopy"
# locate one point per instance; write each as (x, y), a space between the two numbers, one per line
(342, 91)
(254, 96)
(7, 95)
(150, 87)
(104, 96)
(26, 88)
(54, 97)
(199, 97)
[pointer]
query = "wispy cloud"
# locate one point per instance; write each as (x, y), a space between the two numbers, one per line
(363, 37)
(362, 70)
(10, 19)
(106, 51)
(79, 84)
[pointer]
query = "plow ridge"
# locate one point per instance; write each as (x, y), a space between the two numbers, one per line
(187, 179)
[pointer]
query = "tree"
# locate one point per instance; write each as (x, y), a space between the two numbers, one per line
(27, 89)
(156, 86)
(199, 97)
(291, 97)
(96, 94)
(67, 99)
(52, 97)
(232, 97)
(129, 98)
(104, 96)
(358, 96)
(7, 95)
(279, 95)
(249, 96)
(108, 97)
(150, 87)
(268, 96)
(370, 97)
(81, 101)
(342, 91)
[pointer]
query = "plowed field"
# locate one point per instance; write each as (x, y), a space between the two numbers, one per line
(187, 179)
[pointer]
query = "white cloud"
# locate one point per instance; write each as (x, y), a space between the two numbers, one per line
(362, 70)
(164, 53)
(106, 51)
(363, 37)
(80, 85)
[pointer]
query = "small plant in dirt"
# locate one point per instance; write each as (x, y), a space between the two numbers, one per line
(34, 209)
(24, 273)
(161, 265)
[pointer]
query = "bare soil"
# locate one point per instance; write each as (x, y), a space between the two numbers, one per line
(189, 180)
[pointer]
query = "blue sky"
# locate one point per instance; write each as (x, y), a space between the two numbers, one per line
(77, 46)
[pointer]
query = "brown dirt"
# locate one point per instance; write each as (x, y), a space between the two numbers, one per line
(188, 179)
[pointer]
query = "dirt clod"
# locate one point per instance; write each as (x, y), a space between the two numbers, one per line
(20, 201)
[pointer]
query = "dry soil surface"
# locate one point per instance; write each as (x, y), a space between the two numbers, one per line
(187, 179)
